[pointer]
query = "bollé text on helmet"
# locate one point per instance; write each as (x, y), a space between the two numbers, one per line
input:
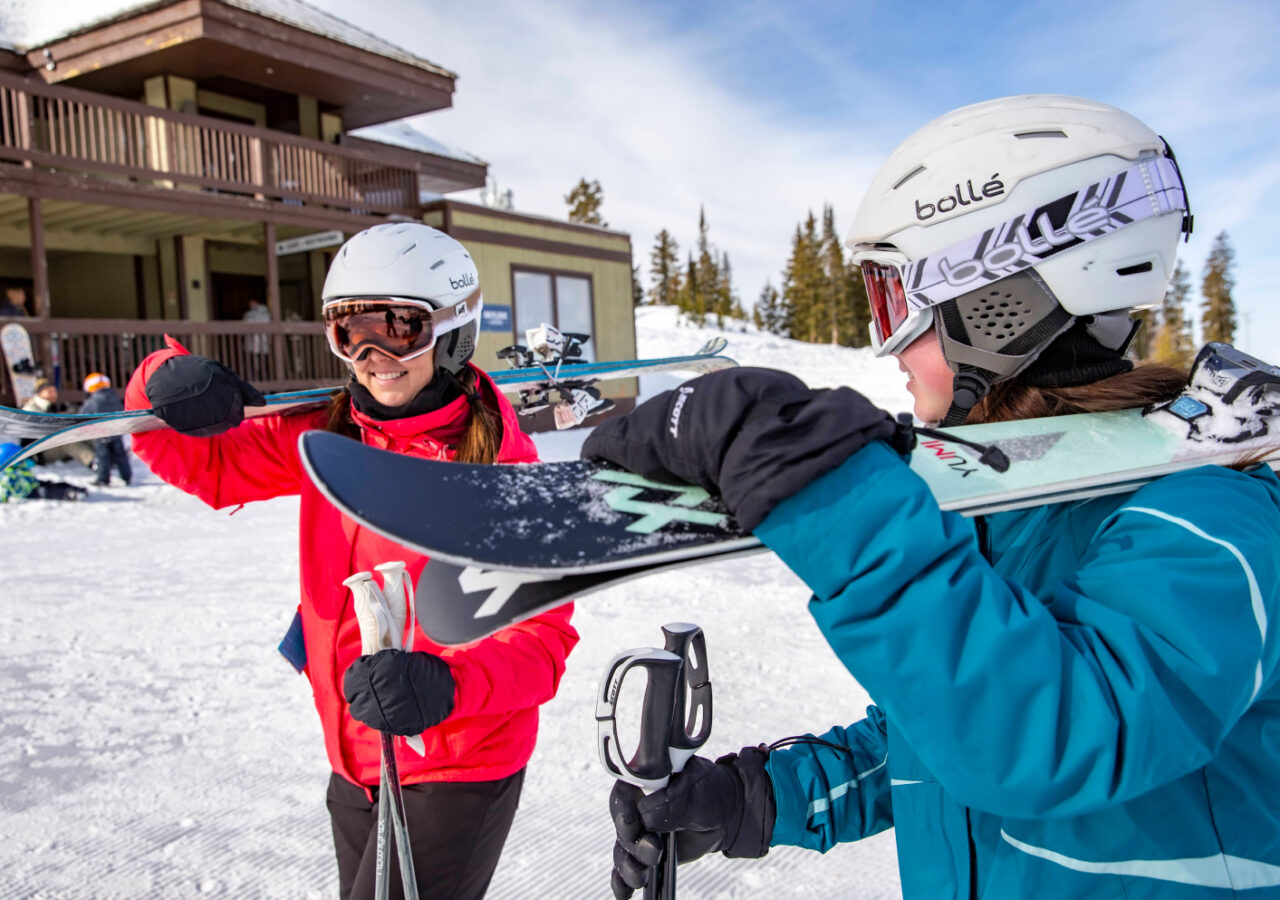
(992, 188)
(1022, 249)
(467, 279)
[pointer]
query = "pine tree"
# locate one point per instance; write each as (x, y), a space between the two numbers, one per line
(859, 306)
(637, 292)
(692, 301)
(584, 203)
(707, 272)
(768, 314)
(664, 269)
(844, 297)
(1218, 312)
(1143, 343)
(1172, 343)
(803, 286)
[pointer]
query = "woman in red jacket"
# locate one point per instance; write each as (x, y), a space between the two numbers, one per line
(401, 307)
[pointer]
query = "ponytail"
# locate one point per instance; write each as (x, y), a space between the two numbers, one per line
(1141, 386)
(483, 437)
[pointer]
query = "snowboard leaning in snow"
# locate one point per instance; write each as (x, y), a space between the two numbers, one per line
(19, 361)
(538, 535)
(55, 429)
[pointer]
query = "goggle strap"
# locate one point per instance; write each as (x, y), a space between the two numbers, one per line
(1148, 188)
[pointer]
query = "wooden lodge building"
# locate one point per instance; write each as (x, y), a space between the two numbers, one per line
(166, 164)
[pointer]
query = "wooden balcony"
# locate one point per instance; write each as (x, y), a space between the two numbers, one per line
(97, 142)
(275, 356)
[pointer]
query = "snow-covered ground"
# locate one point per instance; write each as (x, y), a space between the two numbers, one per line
(153, 743)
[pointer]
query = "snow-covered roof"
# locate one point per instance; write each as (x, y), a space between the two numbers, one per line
(25, 24)
(402, 134)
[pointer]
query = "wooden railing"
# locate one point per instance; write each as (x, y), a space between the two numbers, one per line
(68, 129)
(275, 356)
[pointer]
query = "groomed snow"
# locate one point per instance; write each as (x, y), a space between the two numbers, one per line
(153, 743)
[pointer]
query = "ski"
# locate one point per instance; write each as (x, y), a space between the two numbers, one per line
(554, 368)
(55, 429)
(467, 603)
(540, 534)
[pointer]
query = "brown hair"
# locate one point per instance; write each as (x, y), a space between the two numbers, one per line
(1141, 386)
(480, 442)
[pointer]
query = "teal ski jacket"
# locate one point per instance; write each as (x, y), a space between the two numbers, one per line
(1078, 700)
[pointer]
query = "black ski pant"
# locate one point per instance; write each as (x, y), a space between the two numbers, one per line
(457, 830)
(110, 452)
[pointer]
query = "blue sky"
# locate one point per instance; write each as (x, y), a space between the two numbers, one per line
(762, 111)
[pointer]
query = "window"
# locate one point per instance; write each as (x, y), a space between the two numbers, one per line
(553, 298)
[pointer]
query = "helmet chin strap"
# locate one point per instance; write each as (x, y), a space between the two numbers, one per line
(967, 389)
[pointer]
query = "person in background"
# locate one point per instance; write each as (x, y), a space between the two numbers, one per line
(401, 309)
(19, 482)
(1077, 700)
(108, 451)
(45, 400)
(258, 345)
(14, 304)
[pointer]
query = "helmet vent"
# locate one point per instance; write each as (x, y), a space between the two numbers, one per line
(996, 315)
(905, 178)
(437, 264)
(1025, 135)
(407, 250)
(1138, 269)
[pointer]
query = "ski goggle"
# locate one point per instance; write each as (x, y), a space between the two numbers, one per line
(902, 292)
(401, 327)
(894, 323)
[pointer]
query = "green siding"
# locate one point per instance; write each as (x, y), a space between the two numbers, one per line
(613, 336)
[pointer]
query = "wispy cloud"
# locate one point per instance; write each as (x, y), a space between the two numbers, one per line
(548, 95)
(764, 111)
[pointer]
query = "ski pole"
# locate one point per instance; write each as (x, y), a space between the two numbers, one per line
(690, 724)
(398, 591)
(379, 631)
(675, 720)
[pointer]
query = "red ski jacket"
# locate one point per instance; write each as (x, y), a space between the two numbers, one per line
(501, 681)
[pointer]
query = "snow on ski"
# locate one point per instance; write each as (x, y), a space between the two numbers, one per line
(541, 534)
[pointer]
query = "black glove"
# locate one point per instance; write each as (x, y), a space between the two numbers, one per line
(754, 436)
(200, 397)
(403, 693)
(727, 805)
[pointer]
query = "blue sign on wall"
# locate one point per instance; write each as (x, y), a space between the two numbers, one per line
(495, 318)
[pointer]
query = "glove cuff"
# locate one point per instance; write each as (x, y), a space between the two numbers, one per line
(759, 809)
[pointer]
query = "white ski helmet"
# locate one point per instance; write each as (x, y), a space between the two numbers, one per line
(1004, 223)
(413, 262)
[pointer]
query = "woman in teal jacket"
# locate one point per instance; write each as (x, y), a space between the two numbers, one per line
(1077, 700)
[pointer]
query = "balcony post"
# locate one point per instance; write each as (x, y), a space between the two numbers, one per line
(39, 259)
(22, 114)
(257, 165)
(273, 297)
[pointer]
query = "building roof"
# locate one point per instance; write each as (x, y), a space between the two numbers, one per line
(402, 134)
(26, 24)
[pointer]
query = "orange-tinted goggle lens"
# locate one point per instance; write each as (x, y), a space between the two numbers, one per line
(400, 330)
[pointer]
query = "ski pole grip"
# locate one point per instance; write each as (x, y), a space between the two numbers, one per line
(691, 721)
(371, 613)
(393, 589)
(649, 766)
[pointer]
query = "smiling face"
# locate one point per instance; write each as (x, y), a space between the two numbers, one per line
(930, 380)
(394, 382)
